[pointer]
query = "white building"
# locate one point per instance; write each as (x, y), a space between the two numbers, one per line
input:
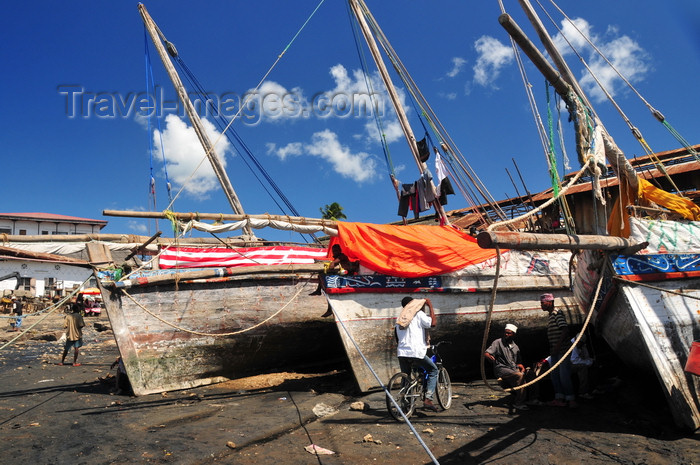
(35, 224)
(38, 277)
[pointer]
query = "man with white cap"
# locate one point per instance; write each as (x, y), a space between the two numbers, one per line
(505, 354)
(411, 327)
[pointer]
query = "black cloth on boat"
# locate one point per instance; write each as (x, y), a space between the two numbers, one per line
(423, 151)
(445, 190)
(412, 197)
(408, 192)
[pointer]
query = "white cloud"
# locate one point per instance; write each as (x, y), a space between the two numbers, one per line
(572, 34)
(359, 167)
(457, 66)
(137, 226)
(622, 51)
(272, 102)
(183, 154)
(492, 57)
(293, 148)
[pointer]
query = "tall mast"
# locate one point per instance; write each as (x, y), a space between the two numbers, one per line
(158, 38)
(619, 163)
(394, 97)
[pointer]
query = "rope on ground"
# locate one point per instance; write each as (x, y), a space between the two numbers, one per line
(55, 306)
(199, 333)
(637, 283)
(386, 390)
(534, 211)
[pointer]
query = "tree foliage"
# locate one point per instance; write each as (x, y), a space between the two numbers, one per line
(332, 212)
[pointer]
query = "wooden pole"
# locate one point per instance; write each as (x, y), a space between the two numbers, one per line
(395, 101)
(531, 241)
(619, 163)
(140, 247)
(192, 114)
(220, 217)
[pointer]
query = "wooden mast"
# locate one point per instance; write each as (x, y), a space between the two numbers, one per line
(394, 97)
(158, 39)
(619, 163)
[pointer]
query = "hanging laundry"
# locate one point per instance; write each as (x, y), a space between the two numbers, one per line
(407, 192)
(423, 151)
(445, 189)
(426, 180)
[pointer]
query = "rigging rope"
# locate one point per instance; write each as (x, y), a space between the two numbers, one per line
(635, 131)
(386, 390)
(52, 308)
(199, 333)
(637, 283)
(544, 205)
(243, 105)
(150, 90)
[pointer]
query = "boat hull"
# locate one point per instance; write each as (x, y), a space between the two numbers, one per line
(366, 308)
(366, 323)
(651, 323)
(185, 333)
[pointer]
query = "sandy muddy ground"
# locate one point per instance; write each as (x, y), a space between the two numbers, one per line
(53, 414)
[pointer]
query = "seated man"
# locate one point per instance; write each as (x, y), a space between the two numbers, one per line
(505, 354)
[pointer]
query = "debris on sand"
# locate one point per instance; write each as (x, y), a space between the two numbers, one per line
(314, 449)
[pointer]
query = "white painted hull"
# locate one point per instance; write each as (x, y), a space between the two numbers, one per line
(184, 334)
(650, 328)
(366, 322)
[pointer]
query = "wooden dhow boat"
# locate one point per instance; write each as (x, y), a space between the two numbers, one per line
(647, 309)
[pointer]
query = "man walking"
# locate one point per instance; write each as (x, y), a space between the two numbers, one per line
(411, 333)
(74, 334)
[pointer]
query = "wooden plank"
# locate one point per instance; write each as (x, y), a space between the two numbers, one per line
(532, 241)
(100, 255)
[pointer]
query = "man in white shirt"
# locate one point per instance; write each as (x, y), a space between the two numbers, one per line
(411, 333)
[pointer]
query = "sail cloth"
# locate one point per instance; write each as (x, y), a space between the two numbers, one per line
(619, 221)
(409, 251)
(201, 257)
(255, 223)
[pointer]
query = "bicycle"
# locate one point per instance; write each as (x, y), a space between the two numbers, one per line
(406, 389)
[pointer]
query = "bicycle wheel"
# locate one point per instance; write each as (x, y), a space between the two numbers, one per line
(444, 389)
(402, 391)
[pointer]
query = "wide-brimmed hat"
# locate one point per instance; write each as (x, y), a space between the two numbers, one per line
(409, 310)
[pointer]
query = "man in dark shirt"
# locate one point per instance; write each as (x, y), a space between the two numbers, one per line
(559, 343)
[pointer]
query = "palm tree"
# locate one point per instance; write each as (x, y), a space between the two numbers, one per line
(332, 212)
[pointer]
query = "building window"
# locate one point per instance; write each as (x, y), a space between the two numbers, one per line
(22, 232)
(5, 231)
(25, 284)
(45, 233)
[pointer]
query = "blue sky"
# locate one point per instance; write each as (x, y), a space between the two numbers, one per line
(80, 158)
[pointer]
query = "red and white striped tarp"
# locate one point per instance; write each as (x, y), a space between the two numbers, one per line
(197, 257)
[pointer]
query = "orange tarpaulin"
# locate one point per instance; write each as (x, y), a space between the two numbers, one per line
(409, 251)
